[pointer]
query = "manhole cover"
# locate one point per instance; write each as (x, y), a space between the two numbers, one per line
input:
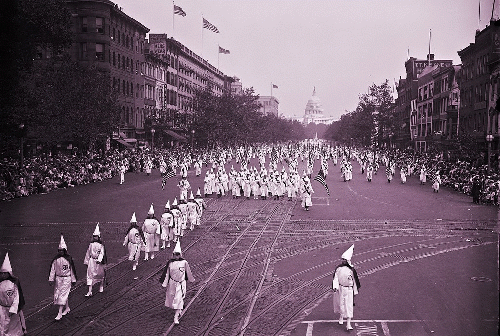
(481, 279)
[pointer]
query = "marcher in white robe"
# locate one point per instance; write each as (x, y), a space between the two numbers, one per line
(183, 218)
(122, 169)
(192, 212)
(95, 259)
(202, 205)
(369, 172)
(184, 186)
(63, 276)
(345, 286)
(402, 173)
(12, 321)
(437, 182)
(134, 239)
(207, 186)
(152, 230)
(174, 278)
(307, 191)
(167, 226)
(197, 167)
(176, 213)
(423, 175)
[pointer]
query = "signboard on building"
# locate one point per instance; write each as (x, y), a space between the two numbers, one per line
(158, 44)
(419, 65)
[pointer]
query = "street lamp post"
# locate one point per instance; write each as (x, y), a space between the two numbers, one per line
(152, 138)
(489, 139)
(192, 139)
(21, 149)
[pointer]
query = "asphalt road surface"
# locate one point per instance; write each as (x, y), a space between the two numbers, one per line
(428, 262)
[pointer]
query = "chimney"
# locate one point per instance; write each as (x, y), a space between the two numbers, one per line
(430, 57)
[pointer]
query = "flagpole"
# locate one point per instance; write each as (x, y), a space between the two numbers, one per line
(173, 18)
(429, 57)
(271, 89)
(202, 35)
(218, 56)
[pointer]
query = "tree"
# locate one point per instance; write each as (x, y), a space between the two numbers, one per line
(64, 101)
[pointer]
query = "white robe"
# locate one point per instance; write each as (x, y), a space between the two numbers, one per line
(62, 273)
(95, 270)
(343, 298)
(175, 282)
(9, 302)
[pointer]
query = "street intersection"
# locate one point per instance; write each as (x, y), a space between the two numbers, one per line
(428, 262)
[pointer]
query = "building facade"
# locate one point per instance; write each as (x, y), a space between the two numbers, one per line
(479, 87)
(112, 41)
(268, 105)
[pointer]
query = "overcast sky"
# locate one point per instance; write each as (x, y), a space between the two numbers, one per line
(339, 46)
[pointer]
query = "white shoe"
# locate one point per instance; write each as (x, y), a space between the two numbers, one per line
(66, 311)
(176, 321)
(349, 328)
(88, 294)
(101, 289)
(152, 256)
(341, 321)
(58, 317)
(134, 268)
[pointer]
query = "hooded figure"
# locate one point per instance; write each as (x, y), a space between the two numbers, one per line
(167, 226)
(95, 259)
(152, 231)
(134, 239)
(63, 274)
(174, 277)
(11, 301)
(345, 285)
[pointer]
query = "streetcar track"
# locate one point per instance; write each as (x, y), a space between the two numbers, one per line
(82, 305)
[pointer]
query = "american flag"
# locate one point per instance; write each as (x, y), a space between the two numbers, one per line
(165, 176)
(179, 11)
(322, 179)
(274, 155)
(210, 26)
(223, 51)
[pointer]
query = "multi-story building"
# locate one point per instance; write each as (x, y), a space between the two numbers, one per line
(445, 105)
(236, 86)
(112, 41)
(479, 85)
(268, 105)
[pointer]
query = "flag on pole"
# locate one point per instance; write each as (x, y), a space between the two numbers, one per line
(179, 11)
(322, 179)
(223, 51)
(275, 86)
(210, 26)
(165, 176)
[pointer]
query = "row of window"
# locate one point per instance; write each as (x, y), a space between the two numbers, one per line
(471, 95)
(87, 54)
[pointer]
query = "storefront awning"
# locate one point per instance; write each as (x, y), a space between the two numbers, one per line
(176, 136)
(123, 142)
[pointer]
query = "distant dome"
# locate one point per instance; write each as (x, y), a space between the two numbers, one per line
(313, 108)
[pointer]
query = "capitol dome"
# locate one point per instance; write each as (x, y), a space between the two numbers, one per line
(314, 112)
(313, 108)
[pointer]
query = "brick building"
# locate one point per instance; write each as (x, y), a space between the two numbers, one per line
(479, 86)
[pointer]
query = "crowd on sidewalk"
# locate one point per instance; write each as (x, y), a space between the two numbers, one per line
(43, 174)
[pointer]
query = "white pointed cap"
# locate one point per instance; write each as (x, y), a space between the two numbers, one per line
(177, 247)
(151, 210)
(133, 219)
(198, 192)
(175, 201)
(6, 267)
(347, 255)
(167, 206)
(62, 244)
(191, 196)
(96, 231)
